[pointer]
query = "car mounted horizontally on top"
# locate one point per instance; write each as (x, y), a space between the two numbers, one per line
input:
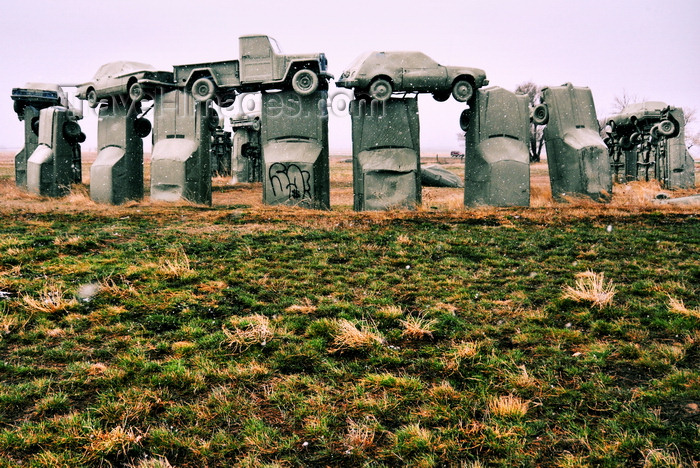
(123, 77)
(379, 74)
(261, 67)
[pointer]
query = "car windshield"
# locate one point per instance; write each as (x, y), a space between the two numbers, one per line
(355, 64)
(275, 46)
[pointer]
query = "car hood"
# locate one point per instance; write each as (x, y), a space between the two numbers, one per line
(478, 74)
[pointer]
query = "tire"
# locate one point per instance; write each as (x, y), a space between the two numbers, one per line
(82, 137)
(35, 125)
(228, 101)
(540, 114)
(136, 92)
(71, 131)
(256, 124)
(203, 89)
(19, 109)
(666, 128)
(462, 91)
(441, 96)
(91, 98)
(305, 82)
(636, 138)
(213, 120)
(625, 143)
(380, 89)
(464, 119)
(142, 127)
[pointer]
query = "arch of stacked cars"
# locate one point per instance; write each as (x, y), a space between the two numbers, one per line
(286, 147)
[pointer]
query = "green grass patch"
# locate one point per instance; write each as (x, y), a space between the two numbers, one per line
(198, 338)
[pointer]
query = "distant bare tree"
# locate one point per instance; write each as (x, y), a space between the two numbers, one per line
(620, 102)
(534, 94)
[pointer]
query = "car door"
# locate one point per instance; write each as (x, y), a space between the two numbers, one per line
(256, 59)
(421, 73)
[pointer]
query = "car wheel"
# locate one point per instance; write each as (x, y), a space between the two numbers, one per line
(142, 127)
(540, 114)
(91, 98)
(305, 82)
(666, 128)
(227, 101)
(380, 89)
(441, 96)
(136, 92)
(71, 131)
(625, 143)
(256, 124)
(19, 109)
(462, 91)
(203, 89)
(464, 119)
(35, 125)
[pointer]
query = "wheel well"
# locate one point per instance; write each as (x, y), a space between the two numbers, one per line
(469, 78)
(197, 74)
(131, 82)
(382, 77)
(296, 66)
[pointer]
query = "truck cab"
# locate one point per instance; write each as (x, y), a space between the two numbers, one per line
(261, 67)
(262, 62)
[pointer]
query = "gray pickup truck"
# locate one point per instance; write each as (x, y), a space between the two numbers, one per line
(261, 66)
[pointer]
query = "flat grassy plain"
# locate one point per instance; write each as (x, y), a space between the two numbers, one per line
(158, 335)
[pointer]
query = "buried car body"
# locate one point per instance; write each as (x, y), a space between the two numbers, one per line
(379, 74)
(122, 77)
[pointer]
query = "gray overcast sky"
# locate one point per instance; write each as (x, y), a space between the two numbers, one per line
(646, 48)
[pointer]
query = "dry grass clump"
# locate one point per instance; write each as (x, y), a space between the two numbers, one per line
(118, 441)
(51, 299)
(155, 462)
(523, 379)
(466, 350)
(348, 337)
(660, 458)
(248, 331)
(390, 312)
(677, 307)
(417, 328)
(508, 406)
(178, 265)
(360, 436)
(591, 287)
(306, 307)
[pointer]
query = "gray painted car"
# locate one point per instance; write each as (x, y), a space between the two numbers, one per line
(123, 77)
(379, 74)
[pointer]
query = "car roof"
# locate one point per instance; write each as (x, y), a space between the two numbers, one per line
(120, 68)
(399, 58)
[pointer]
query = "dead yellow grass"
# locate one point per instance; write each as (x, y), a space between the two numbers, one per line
(417, 328)
(178, 265)
(591, 287)
(306, 307)
(348, 337)
(117, 441)
(508, 406)
(390, 312)
(360, 436)
(248, 331)
(52, 298)
(677, 307)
